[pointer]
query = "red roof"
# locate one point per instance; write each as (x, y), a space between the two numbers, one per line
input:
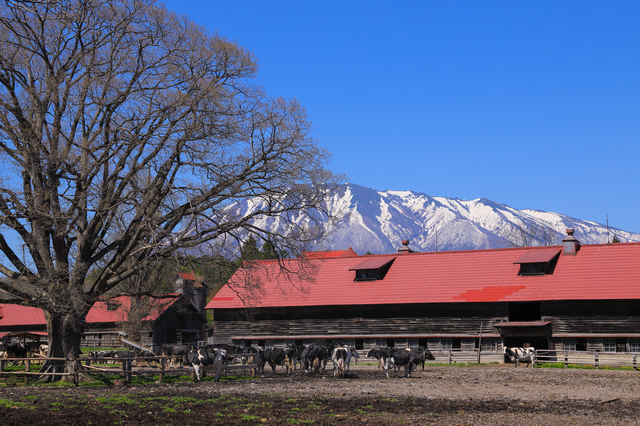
(595, 272)
(372, 263)
(16, 315)
(329, 254)
(539, 256)
(100, 311)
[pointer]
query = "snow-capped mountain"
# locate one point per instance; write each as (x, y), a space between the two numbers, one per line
(377, 221)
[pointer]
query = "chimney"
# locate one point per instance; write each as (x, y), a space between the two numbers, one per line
(570, 244)
(405, 247)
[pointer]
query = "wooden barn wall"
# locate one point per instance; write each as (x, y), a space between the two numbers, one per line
(593, 317)
(165, 327)
(377, 320)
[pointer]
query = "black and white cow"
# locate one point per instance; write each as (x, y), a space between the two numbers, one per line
(315, 356)
(207, 355)
(278, 356)
(518, 355)
(341, 357)
(381, 354)
(401, 357)
(175, 352)
(15, 350)
(422, 355)
(294, 353)
(260, 359)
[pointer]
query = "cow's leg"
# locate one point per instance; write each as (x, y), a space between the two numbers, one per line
(196, 369)
(218, 370)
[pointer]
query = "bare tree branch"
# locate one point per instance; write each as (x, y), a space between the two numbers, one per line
(128, 133)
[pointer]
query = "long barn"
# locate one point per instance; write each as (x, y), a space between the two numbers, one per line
(569, 297)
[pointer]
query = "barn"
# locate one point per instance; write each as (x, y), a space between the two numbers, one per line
(171, 318)
(571, 297)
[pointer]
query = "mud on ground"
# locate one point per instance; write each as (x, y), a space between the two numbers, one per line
(488, 394)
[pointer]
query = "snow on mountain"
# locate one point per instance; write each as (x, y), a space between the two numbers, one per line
(378, 221)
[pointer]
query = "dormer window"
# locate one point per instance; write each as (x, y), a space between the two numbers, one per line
(113, 305)
(372, 269)
(538, 262)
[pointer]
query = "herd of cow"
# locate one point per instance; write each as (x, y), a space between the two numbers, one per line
(311, 358)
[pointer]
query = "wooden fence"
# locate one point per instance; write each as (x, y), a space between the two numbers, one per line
(594, 359)
(127, 367)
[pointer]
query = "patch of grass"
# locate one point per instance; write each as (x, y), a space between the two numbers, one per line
(249, 417)
(116, 399)
(7, 403)
(182, 399)
(579, 366)
(169, 410)
(31, 397)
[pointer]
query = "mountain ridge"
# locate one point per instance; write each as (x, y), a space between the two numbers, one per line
(378, 221)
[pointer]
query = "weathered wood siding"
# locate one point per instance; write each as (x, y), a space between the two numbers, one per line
(607, 317)
(361, 321)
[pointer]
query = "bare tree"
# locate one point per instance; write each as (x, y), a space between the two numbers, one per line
(126, 132)
(529, 234)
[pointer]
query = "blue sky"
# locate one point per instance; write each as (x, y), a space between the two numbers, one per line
(530, 104)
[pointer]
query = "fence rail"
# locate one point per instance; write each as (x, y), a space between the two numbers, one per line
(129, 367)
(595, 359)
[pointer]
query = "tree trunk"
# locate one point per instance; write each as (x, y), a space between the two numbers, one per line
(65, 335)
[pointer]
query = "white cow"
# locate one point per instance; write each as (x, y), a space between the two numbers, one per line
(517, 355)
(341, 357)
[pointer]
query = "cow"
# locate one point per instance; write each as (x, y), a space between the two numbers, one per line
(341, 357)
(315, 356)
(175, 352)
(15, 350)
(208, 355)
(517, 355)
(381, 354)
(260, 359)
(422, 355)
(102, 355)
(277, 356)
(294, 353)
(401, 357)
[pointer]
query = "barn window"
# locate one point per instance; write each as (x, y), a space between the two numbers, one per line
(608, 345)
(366, 274)
(634, 345)
(372, 269)
(538, 261)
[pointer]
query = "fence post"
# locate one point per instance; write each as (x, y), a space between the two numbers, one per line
(449, 356)
(27, 365)
(161, 374)
(635, 364)
(76, 369)
(597, 361)
(566, 359)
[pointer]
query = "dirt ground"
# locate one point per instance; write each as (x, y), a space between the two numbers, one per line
(472, 395)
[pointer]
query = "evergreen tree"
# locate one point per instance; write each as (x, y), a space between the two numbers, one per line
(250, 249)
(268, 251)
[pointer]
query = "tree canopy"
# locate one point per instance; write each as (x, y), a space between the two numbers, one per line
(126, 132)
